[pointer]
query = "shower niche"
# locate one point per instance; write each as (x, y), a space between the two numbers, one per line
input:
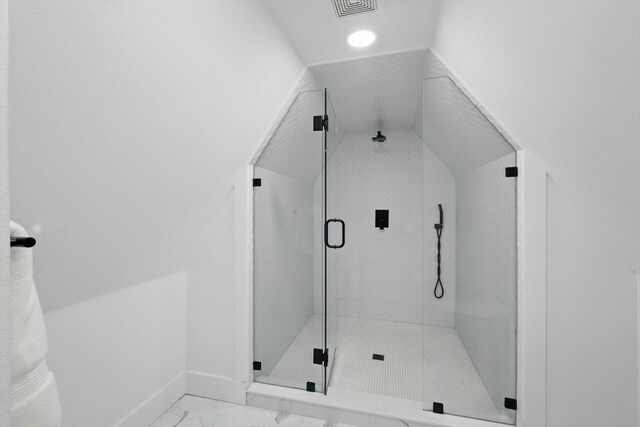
(387, 266)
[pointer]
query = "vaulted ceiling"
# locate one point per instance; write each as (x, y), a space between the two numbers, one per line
(319, 36)
(369, 92)
(395, 84)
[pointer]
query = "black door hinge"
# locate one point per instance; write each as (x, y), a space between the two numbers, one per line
(311, 386)
(511, 172)
(257, 366)
(257, 182)
(320, 357)
(438, 408)
(320, 123)
(510, 403)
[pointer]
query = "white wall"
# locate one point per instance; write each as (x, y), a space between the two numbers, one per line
(207, 304)
(485, 315)
(113, 372)
(5, 346)
(562, 77)
(130, 120)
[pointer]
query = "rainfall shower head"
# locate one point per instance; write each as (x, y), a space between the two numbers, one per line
(379, 137)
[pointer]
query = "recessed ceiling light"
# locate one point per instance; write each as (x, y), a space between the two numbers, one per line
(361, 38)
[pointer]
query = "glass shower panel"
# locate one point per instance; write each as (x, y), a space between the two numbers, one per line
(336, 237)
(470, 333)
(288, 285)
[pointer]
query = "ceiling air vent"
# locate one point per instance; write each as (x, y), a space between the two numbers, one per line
(353, 7)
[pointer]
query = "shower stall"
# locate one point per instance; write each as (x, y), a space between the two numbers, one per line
(388, 266)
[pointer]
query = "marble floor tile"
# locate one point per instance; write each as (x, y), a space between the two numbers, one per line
(193, 411)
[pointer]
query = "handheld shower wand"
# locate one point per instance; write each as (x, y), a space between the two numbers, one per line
(439, 228)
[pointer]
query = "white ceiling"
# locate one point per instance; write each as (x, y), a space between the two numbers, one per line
(319, 36)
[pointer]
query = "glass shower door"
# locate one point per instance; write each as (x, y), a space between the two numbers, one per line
(298, 232)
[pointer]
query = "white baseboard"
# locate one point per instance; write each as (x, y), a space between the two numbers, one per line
(216, 387)
(189, 382)
(156, 404)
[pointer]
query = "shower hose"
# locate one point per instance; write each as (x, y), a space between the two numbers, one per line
(439, 228)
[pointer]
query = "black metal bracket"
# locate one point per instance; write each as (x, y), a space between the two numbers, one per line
(438, 408)
(23, 242)
(257, 366)
(257, 182)
(311, 386)
(320, 123)
(511, 172)
(510, 403)
(377, 356)
(320, 357)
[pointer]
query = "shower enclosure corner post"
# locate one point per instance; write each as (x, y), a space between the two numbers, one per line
(534, 185)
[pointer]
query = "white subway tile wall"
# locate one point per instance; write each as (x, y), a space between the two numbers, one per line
(384, 274)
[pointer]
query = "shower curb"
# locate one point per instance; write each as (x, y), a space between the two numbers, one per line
(357, 409)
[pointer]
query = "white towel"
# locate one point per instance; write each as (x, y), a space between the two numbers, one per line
(34, 395)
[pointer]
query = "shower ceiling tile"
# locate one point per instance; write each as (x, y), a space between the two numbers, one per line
(456, 131)
(375, 93)
(292, 147)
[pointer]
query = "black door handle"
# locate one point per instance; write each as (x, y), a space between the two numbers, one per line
(326, 233)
